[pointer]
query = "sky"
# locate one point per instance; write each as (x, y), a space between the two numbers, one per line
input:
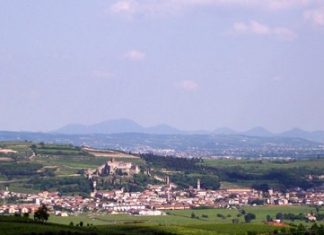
(192, 64)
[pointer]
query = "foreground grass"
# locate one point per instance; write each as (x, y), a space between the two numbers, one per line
(15, 225)
(207, 229)
(28, 228)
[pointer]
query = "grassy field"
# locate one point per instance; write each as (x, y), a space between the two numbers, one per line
(205, 229)
(237, 229)
(183, 217)
(206, 221)
(19, 146)
(18, 187)
(76, 162)
(14, 226)
(209, 229)
(68, 165)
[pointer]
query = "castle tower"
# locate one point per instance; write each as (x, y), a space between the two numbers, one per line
(168, 197)
(94, 185)
(167, 180)
(270, 191)
(198, 184)
(287, 196)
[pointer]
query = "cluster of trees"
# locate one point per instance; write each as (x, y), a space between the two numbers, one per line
(65, 185)
(42, 148)
(290, 216)
(191, 170)
(289, 179)
(261, 187)
(257, 202)
(293, 217)
(219, 215)
(187, 180)
(194, 216)
(11, 170)
(320, 217)
(248, 216)
(173, 163)
(302, 230)
(295, 177)
(41, 215)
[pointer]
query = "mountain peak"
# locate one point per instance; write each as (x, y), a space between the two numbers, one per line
(116, 126)
(295, 132)
(224, 131)
(258, 131)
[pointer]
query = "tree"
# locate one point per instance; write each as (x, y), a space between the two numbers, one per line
(41, 214)
(261, 187)
(280, 216)
(235, 221)
(249, 217)
(33, 147)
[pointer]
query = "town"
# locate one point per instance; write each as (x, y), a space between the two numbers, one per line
(154, 200)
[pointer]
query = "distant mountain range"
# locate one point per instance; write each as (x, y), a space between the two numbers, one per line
(317, 136)
(115, 127)
(194, 145)
(128, 136)
(128, 126)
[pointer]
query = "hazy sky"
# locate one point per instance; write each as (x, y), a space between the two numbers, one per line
(193, 64)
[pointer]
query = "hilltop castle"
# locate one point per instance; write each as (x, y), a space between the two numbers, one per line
(113, 167)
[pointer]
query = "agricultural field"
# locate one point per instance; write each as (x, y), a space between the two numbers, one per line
(205, 221)
(185, 217)
(108, 153)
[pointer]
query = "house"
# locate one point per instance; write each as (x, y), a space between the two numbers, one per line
(311, 217)
(151, 213)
